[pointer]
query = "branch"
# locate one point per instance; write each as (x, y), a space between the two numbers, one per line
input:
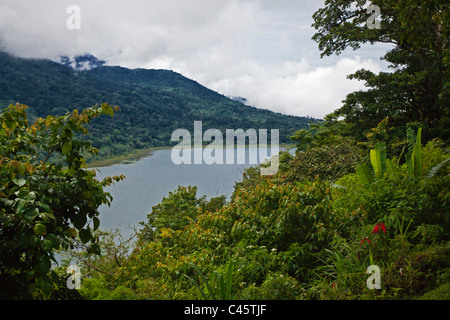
(48, 155)
(95, 268)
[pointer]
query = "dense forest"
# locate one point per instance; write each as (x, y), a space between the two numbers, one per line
(153, 103)
(367, 189)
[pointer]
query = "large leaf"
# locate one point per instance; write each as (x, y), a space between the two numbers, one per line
(96, 222)
(416, 156)
(40, 229)
(364, 174)
(378, 159)
(85, 235)
(67, 147)
(20, 182)
(79, 220)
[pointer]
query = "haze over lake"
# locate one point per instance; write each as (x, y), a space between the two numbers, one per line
(151, 179)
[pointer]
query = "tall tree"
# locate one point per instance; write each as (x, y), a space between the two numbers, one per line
(417, 90)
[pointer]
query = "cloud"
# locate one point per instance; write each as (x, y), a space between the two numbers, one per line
(296, 88)
(259, 49)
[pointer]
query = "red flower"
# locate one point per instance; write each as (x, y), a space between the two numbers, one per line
(378, 226)
(365, 239)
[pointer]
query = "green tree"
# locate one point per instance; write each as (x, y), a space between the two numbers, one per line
(44, 205)
(418, 88)
(174, 212)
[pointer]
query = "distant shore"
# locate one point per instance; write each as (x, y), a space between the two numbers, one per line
(135, 155)
(139, 154)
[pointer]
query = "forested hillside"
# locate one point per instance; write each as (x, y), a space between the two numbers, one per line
(360, 211)
(153, 103)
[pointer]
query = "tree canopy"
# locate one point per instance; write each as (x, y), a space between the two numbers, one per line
(417, 90)
(43, 205)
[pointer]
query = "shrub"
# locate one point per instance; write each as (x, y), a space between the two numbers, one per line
(329, 162)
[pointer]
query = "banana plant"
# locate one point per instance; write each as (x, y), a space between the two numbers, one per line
(378, 162)
(414, 155)
(222, 289)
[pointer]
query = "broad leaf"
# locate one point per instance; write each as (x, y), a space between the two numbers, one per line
(85, 235)
(79, 221)
(417, 155)
(40, 229)
(378, 160)
(364, 174)
(67, 147)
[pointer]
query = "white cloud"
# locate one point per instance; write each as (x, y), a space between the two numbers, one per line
(295, 87)
(259, 49)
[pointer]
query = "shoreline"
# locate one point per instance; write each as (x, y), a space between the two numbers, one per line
(135, 155)
(139, 154)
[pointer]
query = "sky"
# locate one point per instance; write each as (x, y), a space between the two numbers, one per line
(257, 49)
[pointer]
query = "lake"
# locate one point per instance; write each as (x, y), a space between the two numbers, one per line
(150, 179)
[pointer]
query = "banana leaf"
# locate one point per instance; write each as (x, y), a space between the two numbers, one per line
(364, 174)
(378, 159)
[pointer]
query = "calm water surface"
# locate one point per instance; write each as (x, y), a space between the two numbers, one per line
(150, 179)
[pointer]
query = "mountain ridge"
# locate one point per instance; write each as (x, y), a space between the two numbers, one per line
(153, 102)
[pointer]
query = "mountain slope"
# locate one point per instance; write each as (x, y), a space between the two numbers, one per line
(153, 102)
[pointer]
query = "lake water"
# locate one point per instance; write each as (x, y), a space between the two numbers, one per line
(150, 179)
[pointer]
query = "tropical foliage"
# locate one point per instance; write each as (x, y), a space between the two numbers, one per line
(43, 206)
(367, 189)
(286, 238)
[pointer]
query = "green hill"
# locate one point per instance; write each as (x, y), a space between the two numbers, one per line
(153, 103)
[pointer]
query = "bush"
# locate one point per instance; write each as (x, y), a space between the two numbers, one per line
(329, 162)
(278, 286)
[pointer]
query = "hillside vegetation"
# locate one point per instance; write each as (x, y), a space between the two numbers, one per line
(153, 103)
(361, 210)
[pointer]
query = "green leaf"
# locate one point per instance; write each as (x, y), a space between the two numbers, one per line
(364, 174)
(40, 229)
(47, 216)
(67, 147)
(378, 160)
(417, 155)
(85, 235)
(79, 221)
(20, 182)
(31, 196)
(71, 232)
(208, 286)
(47, 245)
(229, 279)
(111, 112)
(22, 168)
(21, 206)
(45, 206)
(96, 222)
